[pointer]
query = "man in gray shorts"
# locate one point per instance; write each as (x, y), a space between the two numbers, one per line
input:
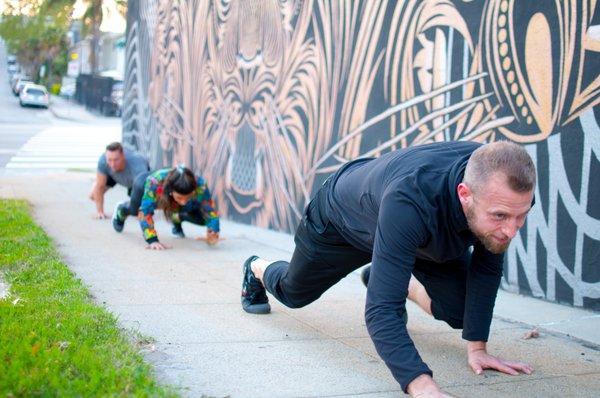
(116, 166)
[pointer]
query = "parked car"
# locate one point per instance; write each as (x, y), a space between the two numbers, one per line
(15, 77)
(113, 105)
(12, 68)
(11, 64)
(34, 95)
(19, 84)
(67, 87)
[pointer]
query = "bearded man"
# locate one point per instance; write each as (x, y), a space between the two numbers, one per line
(434, 222)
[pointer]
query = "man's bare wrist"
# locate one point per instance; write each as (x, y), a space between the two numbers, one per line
(473, 346)
(422, 385)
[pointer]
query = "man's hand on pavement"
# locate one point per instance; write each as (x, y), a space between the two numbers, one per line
(100, 216)
(479, 360)
(157, 246)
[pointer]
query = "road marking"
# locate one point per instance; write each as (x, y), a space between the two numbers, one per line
(64, 147)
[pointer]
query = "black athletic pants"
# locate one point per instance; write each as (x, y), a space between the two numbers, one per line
(322, 257)
(137, 192)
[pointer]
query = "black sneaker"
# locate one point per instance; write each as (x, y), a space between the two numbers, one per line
(404, 317)
(118, 217)
(364, 275)
(254, 295)
(178, 231)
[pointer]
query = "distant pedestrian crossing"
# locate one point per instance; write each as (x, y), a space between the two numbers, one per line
(64, 147)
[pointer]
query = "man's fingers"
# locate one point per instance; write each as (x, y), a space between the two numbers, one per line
(494, 364)
(522, 367)
(477, 368)
(498, 365)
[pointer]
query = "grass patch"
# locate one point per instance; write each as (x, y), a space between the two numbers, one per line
(54, 341)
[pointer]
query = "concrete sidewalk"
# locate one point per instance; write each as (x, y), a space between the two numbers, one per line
(71, 110)
(187, 300)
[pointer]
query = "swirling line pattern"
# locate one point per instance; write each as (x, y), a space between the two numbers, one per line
(267, 97)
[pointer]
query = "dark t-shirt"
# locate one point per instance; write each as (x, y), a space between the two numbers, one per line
(135, 164)
(401, 207)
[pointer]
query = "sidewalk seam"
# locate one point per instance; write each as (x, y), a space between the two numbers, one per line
(555, 333)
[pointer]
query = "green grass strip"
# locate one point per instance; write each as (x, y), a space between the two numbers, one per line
(54, 341)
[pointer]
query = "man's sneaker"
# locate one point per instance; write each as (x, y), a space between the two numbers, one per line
(177, 230)
(118, 217)
(404, 317)
(364, 275)
(254, 295)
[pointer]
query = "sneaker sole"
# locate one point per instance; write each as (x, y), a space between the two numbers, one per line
(263, 308)
(364, 276)
(115, 222)
(118, 228)
(257, 308)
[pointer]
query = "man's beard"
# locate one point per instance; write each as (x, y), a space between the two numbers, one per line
(486, 239)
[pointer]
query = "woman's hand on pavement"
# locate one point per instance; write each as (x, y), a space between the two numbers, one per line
(157, 246)
(212, 237)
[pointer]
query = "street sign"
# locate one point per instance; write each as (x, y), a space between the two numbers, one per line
(73, 68)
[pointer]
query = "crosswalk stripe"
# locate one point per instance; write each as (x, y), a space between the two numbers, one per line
(51, 159)
(47, 166)
(64, 147)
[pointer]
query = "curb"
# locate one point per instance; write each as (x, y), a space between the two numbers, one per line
(59, 116)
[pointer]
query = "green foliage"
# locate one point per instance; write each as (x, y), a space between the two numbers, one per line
(36, 32)
(55, 89)
(54, 342)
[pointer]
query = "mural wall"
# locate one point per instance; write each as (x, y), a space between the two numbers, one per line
(266, 98)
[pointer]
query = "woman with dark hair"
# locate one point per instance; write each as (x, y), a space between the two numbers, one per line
(182, 197)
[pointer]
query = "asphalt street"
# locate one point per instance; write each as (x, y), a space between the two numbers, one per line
(37, 140)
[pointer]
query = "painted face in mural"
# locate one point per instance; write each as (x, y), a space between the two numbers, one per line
(115, 160)
(496, 213)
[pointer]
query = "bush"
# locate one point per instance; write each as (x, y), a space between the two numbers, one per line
(55, 89)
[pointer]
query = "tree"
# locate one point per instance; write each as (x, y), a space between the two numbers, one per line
(92, 19)
(36, 32)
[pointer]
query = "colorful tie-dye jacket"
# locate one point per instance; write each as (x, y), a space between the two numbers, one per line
(154, 188)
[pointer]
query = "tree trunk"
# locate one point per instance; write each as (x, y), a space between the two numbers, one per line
(96, 9)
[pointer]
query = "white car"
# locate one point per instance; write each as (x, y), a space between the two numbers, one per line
(19, 84)
(12, 68)
(67, 90)
(34, 95)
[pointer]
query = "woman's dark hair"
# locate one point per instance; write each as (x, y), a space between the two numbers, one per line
(180, 180)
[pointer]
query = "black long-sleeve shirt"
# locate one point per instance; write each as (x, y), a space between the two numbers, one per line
(403, 206)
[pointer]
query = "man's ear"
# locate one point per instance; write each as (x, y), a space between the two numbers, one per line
(465, 195)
